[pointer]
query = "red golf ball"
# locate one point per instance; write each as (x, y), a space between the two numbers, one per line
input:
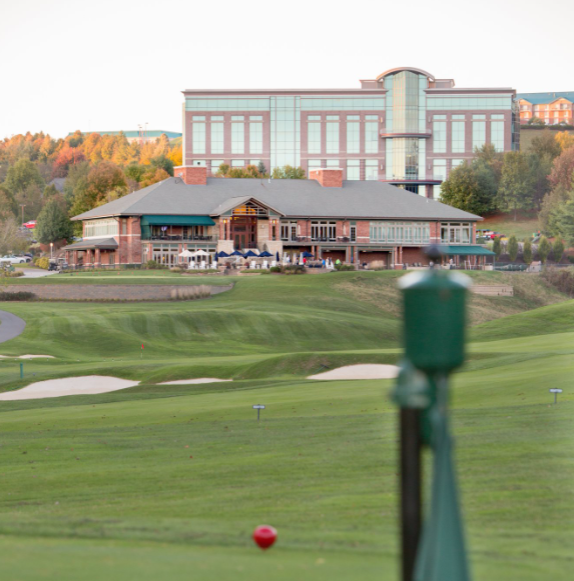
(264, 536)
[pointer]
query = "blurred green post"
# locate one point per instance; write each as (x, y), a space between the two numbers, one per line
(21, 371)
(434, 336)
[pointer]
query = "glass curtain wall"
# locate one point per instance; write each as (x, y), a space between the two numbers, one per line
(405, 111)
(285, 131)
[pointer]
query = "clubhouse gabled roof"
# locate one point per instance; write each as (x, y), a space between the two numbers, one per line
(291, 198)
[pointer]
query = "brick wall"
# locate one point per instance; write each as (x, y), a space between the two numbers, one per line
(191, 175)
(328, 178)
(105, 292)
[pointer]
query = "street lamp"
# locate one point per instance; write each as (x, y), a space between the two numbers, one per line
(51, 250)
(22, 206)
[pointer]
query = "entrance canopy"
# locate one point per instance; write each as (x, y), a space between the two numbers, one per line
(466, 251)
(101, 243)
(159, 220)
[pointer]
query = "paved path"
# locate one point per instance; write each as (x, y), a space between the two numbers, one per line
(10, 326)
(36, 272)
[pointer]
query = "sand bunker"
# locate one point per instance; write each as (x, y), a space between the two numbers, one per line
(371, 371)
(199, 380)
(89, 384)
(26, 357)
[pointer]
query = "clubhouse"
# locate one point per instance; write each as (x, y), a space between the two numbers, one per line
(359, 222)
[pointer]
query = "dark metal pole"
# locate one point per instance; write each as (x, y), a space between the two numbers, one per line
(258, 411)
(411, 484)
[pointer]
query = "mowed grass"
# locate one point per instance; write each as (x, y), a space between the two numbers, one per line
(168, 482)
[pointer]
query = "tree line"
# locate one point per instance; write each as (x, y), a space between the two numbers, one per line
(540, 179)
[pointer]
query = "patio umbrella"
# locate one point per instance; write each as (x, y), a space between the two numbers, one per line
(277, 257)
(186, 254)
(200, 253)
(236, 253)
(266, 254)
(222, 254)
(250, 254)
(307, 255)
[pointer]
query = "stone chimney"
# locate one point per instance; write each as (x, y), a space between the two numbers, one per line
(331, 177)
(191, 175)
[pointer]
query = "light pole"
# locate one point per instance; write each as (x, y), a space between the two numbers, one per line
(51, 250)
(22, 206)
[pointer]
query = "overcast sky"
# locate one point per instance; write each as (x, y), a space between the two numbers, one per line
(115, 64)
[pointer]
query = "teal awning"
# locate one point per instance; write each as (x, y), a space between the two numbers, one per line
(158, 220)
(466, 251)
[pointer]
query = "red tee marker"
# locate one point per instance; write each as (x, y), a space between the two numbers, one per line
(264, 536)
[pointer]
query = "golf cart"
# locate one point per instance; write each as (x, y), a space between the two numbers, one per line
(58, 264)
(6, 265)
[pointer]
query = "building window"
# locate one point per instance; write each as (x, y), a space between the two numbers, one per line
(216, 137)
(456, 162)
(314, 137)
(353, 232)
(371, 135)
(289, 231)
(314, 164)
(101, 228)
(371, 169)
(215, 163)
(353, 136)
(458, 137)
(237, 136)
(324, 231)
(255, 137)
(333, 163)
(353, 169)
(332, 136)
(198, 137)
(439, 136)
(237, 163)
(400, 232)
(456, 233)
(439, 169)
(478, 134)
(497, 135)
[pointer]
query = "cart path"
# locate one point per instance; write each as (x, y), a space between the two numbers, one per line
(11, 326)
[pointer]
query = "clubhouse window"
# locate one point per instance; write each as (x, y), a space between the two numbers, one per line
(456, 233)
(323, 231)
(400, 232)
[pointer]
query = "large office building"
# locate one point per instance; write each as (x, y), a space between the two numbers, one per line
(405, 127)
(551, 108)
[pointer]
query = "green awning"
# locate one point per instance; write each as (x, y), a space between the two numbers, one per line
(466, 251)
(158, 220)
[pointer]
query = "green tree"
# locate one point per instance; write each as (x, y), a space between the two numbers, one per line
(261, 168)
(557, 250)
(223, 170)
(497, 247)
(545, 144)
(515, 191)
(512, 248)
(22, 175)
(527, 251)
(470, 189)
(50, 192)
(540, 168)
(31, 199)
(162, 162)
(8, 206)
(544, 249)
(563, 220)
(10, 238)
(288, 172)
(536, 122)
(53, 223)
(136, 171)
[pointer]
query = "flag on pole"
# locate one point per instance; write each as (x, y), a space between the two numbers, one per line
(142, 346)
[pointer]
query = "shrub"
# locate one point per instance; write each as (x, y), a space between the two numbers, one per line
(344, 267)
(176, 269)
(275, 269)
(17, 296)
(512, 248)
(153, 265)
(571, 259)
(11, 274)
(561, 279)
(497, 247)
(544, 249)
(557, 249)
(527, 251)
(294, 269)
(43, 262)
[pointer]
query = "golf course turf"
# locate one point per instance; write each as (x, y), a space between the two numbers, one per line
(168, 482)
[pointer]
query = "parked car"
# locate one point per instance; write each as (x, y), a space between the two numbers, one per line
(14, 259)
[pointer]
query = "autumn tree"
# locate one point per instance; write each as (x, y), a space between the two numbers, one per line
(545, 144)
(10, 238)
(288, 172)
(562, 174)
(67, 157)
(153, 177)
(565, 140)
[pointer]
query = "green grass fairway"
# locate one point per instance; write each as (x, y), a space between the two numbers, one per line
(168, 482)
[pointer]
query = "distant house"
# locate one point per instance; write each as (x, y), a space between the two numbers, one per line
(58, 183)
(552, 108)
(141, 136)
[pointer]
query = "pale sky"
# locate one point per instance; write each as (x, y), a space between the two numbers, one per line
(115, 64)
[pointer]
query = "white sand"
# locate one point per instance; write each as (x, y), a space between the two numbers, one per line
(188, 381)
(371, 371)
(89, 384)
(26, 357)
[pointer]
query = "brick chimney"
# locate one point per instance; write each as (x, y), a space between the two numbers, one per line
(191, 175)
(331, 177)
